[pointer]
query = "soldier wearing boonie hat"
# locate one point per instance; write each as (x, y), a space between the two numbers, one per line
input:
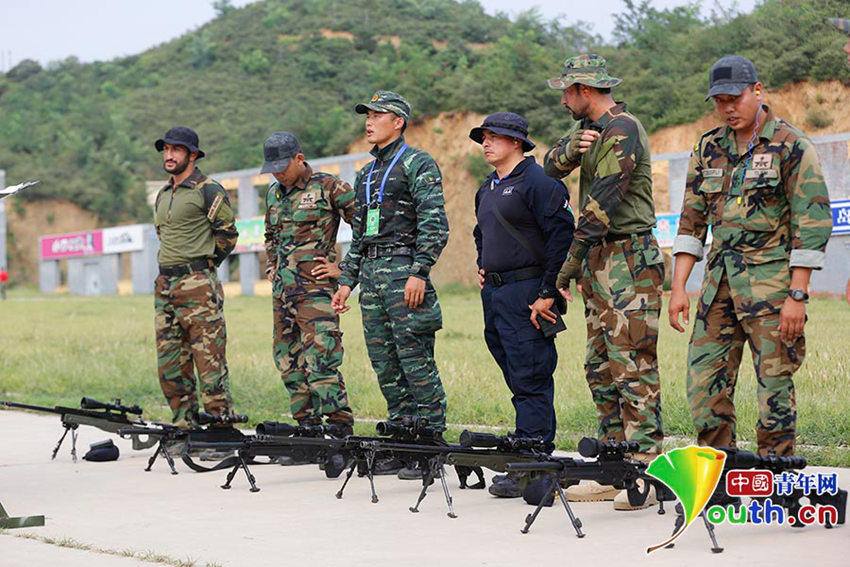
(757, 184)
(616, 258)
(399, 230)
(303, 212)
(524, 226)
(197, 231)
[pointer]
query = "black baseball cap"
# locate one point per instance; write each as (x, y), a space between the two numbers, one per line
(731, 75)
(278, 151)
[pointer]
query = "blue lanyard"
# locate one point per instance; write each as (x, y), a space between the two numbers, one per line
(384, 180)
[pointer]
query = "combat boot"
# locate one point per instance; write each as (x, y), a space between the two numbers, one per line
(387, 466)
(511, 487)
(591, 491)
(621, 501)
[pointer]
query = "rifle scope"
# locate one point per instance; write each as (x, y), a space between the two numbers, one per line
(92, 404)
(210, 419)
(606, 450)
(278, 429)
(502, 442)
(736, 459)
(408, 426)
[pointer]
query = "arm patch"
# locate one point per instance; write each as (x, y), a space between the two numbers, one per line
(219, 198)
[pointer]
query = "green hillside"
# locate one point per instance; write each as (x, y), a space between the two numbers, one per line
(86, 130)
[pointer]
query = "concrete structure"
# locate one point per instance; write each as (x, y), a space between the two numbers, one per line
(3, 259)
(93, 259)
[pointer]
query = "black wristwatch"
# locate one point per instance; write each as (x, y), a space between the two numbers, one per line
(798, 295)
(547, 292)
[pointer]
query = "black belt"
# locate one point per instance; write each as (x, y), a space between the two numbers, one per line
(379, 251)
(497, 279)
(183, 269)
(613, 236)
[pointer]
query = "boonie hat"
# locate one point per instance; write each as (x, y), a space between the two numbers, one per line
(278, 151)
(507, 124)
(180, 136)
(587, 70)
(731, 75)
(386, 101)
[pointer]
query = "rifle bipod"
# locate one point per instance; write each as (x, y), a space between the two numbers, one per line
(160, 449)
(241, 463)
(368, 465)
(554, 486)
(709, 527)
(436, 467)
(72, 427)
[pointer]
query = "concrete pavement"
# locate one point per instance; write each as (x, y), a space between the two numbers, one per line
(115, 508)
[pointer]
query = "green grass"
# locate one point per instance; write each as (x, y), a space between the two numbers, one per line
(58, 349)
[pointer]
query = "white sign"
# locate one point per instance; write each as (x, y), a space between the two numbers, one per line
(128, 238)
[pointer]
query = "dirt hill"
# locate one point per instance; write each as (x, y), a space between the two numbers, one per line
(816, 109)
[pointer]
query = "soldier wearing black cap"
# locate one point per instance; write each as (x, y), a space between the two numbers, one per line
(755, 183)
(303, 212)
(399, 230)
(197, 231)
(524, 229)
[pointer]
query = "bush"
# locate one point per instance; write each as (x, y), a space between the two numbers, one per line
(255, 62)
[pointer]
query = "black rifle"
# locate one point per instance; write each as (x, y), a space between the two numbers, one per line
(612, 466)
(325, 445)
(105, 416)
(167, 434)
(430, 454)
(737, 459)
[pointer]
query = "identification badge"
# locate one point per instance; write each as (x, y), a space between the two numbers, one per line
(373, 221)
(712, 172)
(762, 161)
(761, 174)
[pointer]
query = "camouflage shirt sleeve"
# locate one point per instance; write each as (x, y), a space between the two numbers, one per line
(343, 197)
(693, 221)
(350, 265)
(426, 188)
(619, 150)
(560, 159)
(220, 215)
(271, 233)
(811, 215)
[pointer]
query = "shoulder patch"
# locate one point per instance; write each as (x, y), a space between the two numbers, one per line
(219, 198)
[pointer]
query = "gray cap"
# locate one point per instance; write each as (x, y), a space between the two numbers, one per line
(731, 75)
(278, 151)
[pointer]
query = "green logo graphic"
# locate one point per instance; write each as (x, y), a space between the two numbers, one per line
(692, 474)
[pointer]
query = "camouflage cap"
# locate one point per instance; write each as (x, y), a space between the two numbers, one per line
(278, 151)
(587, 70)
(843, 25)
(386, 101)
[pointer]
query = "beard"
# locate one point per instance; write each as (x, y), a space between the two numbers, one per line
(178, 168)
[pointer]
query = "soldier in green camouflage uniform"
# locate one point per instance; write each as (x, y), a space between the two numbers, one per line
(399, 230)
(615, 257)
(757, 184)
(303, 211)
(197, 231)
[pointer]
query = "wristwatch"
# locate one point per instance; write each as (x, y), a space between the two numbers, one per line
(798, 295)
(547, 292)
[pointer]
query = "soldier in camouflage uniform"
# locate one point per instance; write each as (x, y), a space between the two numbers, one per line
(757, 184)
(844, 25)
(399, 230)
(303, 210)
(616, 259)
(197, 231)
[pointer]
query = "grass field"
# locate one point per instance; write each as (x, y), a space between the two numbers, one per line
(53, 350)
